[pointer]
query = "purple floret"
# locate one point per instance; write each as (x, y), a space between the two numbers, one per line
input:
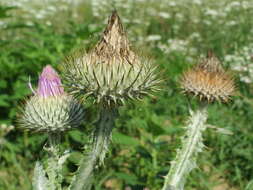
(49, 83)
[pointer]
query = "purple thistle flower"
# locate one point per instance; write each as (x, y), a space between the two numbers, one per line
(49, 83)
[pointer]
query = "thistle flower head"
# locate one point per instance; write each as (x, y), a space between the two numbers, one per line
(50, 109)
(110, 73)
(208, 80)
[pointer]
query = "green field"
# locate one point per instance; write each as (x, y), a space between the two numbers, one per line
(174, 35)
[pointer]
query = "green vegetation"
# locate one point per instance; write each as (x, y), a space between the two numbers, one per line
(147, 133)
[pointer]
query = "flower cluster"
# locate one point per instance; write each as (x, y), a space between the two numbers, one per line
(241, 62)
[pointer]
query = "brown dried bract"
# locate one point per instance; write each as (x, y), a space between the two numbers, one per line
(114, 41)
(208, 81)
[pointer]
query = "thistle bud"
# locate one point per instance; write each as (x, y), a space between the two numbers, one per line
(110, 73)
(51, 109)
(208, 80)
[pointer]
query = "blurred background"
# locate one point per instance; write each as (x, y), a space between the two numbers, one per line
(174, 33)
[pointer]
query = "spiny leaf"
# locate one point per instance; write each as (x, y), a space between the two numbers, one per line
(40, 182)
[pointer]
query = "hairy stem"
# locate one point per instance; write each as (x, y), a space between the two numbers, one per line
(50, 178)
(100, 144)
(186, 157)
(53, 167)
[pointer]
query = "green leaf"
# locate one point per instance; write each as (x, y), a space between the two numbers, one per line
(128, 178)
(78, 136)
(120, 138)
(249, 185)
(4, 11)
(3, 84)
(4, 101)
(75, 157)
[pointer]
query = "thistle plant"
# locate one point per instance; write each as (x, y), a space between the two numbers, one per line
(110, 74)
(209, 82)
(52, 111)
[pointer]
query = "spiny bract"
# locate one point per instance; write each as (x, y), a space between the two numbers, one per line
(208, 81)
(51, 114)
(111, 72)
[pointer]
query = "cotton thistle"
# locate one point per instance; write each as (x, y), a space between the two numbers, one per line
(52, 111)
(110, 74)
(210, 83)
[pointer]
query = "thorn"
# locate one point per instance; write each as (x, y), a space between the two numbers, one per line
(30, 85)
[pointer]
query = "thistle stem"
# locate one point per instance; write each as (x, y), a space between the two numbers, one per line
(101, 140)
(53, 167)
(54, 179)
(192, 144)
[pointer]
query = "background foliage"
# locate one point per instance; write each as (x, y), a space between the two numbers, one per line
(172, 33)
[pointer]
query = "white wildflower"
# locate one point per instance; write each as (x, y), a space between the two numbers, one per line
(154, 37)
(172, 4)
(247, 5)
(194, 36)
(246, 79)
(48, 23)
(211, 12)
(179, 16)
(235, 4)
(164, 15)
(241, 61)
(52, 8)
(231, 23)
(207, 22)
(29, 23)
(197, 2)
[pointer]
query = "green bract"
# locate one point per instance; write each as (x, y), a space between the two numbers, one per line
(52, 114)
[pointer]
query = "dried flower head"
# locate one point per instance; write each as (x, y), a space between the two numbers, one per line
(208, 80)
(51, 109)
(110, 72)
